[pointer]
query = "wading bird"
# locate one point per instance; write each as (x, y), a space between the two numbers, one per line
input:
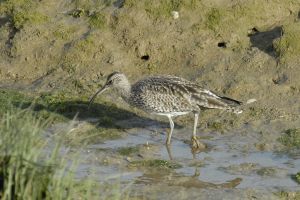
(169, 96)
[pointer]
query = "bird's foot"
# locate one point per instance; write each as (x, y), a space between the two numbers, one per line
(196, 145)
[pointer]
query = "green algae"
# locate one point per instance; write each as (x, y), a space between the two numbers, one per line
(156, 163)
(266, 171)
(108, 134)
(296, 177)
(127, 151)
(291, 138)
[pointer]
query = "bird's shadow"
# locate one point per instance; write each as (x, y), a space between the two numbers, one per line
(102, 115)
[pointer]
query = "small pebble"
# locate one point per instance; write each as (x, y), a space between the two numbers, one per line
(175, 14)
(251, 101)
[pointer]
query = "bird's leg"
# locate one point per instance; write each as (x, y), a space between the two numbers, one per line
(168, 141)
(169, 150)
(197, 173)
(195, 142)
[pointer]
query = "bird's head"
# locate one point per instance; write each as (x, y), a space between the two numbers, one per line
(114, 80)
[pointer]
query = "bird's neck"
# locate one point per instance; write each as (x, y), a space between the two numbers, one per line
(125, 90)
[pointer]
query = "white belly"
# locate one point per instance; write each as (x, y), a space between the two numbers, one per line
(172, 114)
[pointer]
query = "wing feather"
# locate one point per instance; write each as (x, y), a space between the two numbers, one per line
(181, 91)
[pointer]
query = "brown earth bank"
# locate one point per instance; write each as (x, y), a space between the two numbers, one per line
(243, 49)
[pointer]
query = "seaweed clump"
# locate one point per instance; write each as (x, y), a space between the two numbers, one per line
(156, 163)
(291, 138)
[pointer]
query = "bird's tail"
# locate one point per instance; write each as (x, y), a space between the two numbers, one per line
(234, 105)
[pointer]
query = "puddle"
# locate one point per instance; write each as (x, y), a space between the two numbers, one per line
(231, 161)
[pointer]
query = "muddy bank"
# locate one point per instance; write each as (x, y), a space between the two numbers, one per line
(68, 47)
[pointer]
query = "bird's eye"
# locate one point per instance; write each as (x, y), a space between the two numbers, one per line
(109, 82)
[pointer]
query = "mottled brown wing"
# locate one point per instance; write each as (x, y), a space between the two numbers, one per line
(170, 93)
(163, 94)
(197, 94)
(202, 97)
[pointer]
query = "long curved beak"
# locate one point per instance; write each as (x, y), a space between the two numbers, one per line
(95, 95)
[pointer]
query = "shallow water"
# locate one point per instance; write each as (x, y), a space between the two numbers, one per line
(221, 156)
(230, 161)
